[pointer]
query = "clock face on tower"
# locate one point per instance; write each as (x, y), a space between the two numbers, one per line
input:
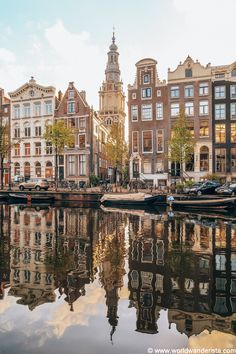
(31, 92)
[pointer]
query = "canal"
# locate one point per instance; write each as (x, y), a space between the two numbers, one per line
(87, 280)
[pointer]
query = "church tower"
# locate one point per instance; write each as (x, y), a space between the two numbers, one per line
(111, 95)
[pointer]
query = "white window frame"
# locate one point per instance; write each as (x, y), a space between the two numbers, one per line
(157, 135)
(26, 110)
(174, 89)
(134, 96)
(220, 92)
(189, 109)
(233, 94)
(205, 111)
(220, 104)
(147, 152)
(142, 107)
(71, 160)
(148, 81)
(37, 109)
(171, 107)
(204, 87)
(71, 104)
(16, 111)
(233, 116)
(82, 164)
(48, 108)
(189, 88)
(134, 107)
(159, 111)
(145, 97)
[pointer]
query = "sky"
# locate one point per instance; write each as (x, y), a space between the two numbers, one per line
(58, 41)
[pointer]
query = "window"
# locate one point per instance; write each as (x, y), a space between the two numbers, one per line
(220, 111)
(159, 165)
(233, 72)
(146, 79)
(71, 94)
(38, 129)
(27, 170)
(135, 142)
(220, 133)
(27, 149)
(147, 92)
(17, 149)
(220, 160)
(219, 76)
(37, 109)
(37, 148)
(203, 89)
(48, 148)
(189, 91)
(82, 123)
(134, 113)
(190, 127)
(233, 159)
(204, 158)
(134, 96)
(27, 129)
(81, 141)
(233, 110)
(48, 108)
(174, 109)
(174, 92)
(159, 111)
(71, 107)
(158, 93)
(203, 108)
(82, 165)
(147, 167)
(204, 129)
(146, 112)
(189, 109)
(17, 169)
(233, 91)
(38, 169)
(160, 140)
(233, 133)
(71, 165)
(188, 73)
(16, 111)
(26, 110)
(16, 131)
(147, 140)
(220, 92)
(48, 170)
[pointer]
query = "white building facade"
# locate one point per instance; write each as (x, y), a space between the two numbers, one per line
(32, 107)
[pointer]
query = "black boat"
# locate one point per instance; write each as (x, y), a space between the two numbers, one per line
(30, 198)
(3, 197)
(131, 199)
(217, 203)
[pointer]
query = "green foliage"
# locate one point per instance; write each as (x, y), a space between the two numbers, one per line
(59, 135)
(116, 146)
(94, 180)
(212, 177)
(181, 144)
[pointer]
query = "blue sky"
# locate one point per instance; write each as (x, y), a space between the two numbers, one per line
(61, 41)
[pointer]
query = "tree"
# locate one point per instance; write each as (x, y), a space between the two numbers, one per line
(116, 148)
(60, 136)
(181, 144)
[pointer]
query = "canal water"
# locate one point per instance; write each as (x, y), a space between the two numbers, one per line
(87, 280)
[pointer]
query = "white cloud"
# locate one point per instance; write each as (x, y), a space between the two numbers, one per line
(7, 56)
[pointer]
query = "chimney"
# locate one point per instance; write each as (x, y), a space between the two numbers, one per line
(59, 95)
(83, 95)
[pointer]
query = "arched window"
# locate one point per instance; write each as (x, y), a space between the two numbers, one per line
(109, 121)
(27, 170)
(16, 130)
(48, 125)
(17, 169)
(38, 169)
(27, 129)
(204, 158)
(48, 170)
(233, 72)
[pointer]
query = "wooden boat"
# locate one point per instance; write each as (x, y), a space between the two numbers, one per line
(131, 199)
(223, 203)
(30, 198)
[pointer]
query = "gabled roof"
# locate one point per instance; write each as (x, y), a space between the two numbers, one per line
(31, 84)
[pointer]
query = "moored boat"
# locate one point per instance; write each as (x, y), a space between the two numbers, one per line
(30, 198)
(223, 203)
(131, 199)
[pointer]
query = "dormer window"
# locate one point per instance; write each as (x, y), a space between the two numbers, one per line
(146, 79)
(188, 73)
(71, 94)
(71, 107)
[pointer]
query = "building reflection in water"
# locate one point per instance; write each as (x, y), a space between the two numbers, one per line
(183, 264)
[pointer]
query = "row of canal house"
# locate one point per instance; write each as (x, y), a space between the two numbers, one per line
(208, 96)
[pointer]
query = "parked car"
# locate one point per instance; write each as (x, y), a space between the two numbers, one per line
(207, 187)
(227, 189)
(35, 183)
(187, 189)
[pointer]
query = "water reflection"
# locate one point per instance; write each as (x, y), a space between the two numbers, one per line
(185, 264)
